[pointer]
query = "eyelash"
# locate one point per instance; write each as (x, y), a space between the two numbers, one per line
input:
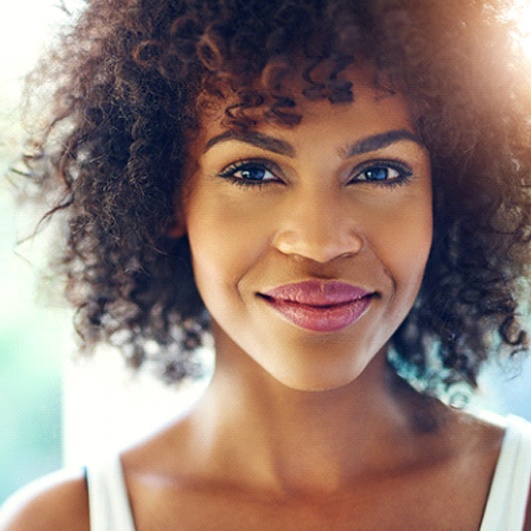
(403, 170)
(242, 165)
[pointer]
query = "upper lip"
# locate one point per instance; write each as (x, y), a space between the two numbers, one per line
(317, 293)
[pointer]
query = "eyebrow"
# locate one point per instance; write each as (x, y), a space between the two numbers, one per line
(269, 143)
(256, 139)
(381, 140)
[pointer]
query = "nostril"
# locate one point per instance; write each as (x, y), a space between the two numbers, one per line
(318, 245)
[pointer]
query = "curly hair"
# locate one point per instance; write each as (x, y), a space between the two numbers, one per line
(131, 80)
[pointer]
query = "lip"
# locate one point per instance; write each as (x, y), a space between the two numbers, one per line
(319, 306)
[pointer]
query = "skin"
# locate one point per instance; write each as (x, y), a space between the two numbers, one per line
(313, 219)
(302, 429)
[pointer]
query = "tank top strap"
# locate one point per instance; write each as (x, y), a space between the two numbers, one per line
(507, 500)
(109, 505)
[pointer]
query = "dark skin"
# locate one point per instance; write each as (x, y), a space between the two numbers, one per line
(303, 429)
(168, 476)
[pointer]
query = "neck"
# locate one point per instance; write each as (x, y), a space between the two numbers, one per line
(307, 442)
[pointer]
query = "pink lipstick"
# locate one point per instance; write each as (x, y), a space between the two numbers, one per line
(319, 306)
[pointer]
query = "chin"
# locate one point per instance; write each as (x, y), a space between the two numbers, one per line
(318, 381)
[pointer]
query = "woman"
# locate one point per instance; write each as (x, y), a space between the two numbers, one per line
(338, 193)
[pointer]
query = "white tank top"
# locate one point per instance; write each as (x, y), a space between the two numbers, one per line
(505, 509)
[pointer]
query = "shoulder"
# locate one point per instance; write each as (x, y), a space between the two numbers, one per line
(56, 502)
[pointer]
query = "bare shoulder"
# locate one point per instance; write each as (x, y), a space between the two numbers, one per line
(56, 502)
(483, 430)
(527, 525)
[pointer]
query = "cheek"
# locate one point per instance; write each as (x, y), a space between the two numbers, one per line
(404, 243)
(226, 240)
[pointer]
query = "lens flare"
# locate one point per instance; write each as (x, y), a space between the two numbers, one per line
(522, 13)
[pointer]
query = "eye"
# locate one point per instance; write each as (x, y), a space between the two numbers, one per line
(250, 173)
(384, 173)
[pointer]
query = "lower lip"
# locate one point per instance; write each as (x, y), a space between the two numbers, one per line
(321, 318)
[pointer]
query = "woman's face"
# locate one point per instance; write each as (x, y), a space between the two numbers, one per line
(309, 243)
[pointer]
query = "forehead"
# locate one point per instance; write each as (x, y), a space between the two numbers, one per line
(374, 107)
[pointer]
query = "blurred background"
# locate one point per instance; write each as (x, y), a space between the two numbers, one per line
(55, 411)
(31, 336)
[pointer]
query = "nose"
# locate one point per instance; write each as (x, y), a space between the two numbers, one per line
(318, 227)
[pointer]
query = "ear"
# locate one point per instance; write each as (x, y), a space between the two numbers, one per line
(176, 229)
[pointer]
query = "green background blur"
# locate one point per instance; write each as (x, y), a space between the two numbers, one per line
(32, 335)
(32, 341)
(30, 369)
